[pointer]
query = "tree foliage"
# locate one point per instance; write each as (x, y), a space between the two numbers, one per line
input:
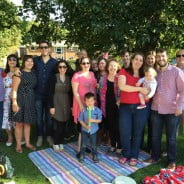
(45, 23)
(10, 35)
(101, 25)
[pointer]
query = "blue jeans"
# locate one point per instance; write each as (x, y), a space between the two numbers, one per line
(1, 117)
(44, 123)
(131, 125)
(171, 123)
(84, 140)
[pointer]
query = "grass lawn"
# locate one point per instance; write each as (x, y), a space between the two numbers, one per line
(27, 173)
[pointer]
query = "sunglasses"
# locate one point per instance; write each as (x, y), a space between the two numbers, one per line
(44, 47)
(12, 59)
(85, 63)
(180, 55)
(62, 67)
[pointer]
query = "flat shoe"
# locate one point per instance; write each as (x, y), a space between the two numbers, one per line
(19, 150)
(171, 166)
(123, 160)
(31, 147)
(9, 144)
(151, 161)
(133, 162)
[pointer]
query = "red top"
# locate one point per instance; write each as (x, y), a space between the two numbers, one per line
(129, 97)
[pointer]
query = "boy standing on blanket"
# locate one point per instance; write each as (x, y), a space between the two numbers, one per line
(89, 119)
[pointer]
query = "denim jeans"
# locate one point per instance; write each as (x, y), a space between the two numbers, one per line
(44, 123)
(171, 123)
(1, 117)
(131, 125)
(84, 140)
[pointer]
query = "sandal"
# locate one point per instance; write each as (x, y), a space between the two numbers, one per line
(31, 147)
(123, 160)
(133, 162)
(19, 150)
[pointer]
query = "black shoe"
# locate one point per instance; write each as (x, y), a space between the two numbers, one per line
(81, 158)
(78, 155)
(88, 150)
(95, 159)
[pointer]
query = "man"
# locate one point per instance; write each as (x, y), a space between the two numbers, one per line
(1, 101)
(180, 59)
(45, 67)
(180, 64)
(166, 108)
(82, 53)
(125, 59)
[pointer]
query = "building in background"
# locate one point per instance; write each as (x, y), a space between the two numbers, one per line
(58, 50)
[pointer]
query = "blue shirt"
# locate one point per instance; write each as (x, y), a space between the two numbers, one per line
(44, 71)
(2, 91)
(96, 113)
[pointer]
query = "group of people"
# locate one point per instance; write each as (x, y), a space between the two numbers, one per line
(103, 97)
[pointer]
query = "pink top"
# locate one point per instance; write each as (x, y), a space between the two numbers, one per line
(170, 85)
(85, 85)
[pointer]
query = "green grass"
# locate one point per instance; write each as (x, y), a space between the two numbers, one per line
(27, 173)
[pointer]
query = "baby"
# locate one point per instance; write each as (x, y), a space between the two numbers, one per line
(149, 82)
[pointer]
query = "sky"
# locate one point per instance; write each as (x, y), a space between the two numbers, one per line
(17, 2)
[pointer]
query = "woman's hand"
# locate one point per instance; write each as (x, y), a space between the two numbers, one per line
(15, 107)
(52, 111)
(144, 90)
(17, 72)
(81, 107)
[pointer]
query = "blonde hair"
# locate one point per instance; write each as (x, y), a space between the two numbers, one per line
(150, 70)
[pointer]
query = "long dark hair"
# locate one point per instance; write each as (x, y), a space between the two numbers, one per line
(7, 68)
(69, 70)
(130, 68)
(25, 58)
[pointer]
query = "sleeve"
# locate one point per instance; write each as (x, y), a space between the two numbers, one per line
(52, 83)
(99, 116)
(141, 80)
(75, 78)
(153, 87)
(81, 116)
(180, 89)
(122, 72)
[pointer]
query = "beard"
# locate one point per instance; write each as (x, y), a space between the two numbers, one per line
(162, 64)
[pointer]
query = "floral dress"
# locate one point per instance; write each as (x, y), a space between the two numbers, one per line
(6, 107)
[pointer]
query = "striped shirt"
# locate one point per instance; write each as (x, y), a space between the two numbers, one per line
(1, 86)
(170, 85)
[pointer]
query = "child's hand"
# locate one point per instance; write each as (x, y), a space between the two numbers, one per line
(146, 97)
(87, 127)
(137, 84)
(90, 120)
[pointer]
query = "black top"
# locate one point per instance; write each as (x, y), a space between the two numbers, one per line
(110, 96)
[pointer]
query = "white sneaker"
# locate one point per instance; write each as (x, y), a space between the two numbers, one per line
(56, 148)
(61, 148)
(50, 140)
(39, 141)
(9, 144)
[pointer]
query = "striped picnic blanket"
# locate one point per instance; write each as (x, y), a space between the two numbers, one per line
(64, 168)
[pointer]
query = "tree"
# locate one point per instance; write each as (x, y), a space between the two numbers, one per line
(10, 36)
(45, 23)
(103, 25)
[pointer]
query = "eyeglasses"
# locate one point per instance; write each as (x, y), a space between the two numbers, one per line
(12, 59)
(85, 63)
(180, 55)
(62, 67)
(44, 47)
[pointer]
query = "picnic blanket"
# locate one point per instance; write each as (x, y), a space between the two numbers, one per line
(167, 176)
(64, 168)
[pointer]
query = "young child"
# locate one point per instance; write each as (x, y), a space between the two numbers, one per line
(89, 119)
(149, 82)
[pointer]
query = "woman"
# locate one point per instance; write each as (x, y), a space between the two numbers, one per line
(12, 63)
(82, 82)
(60, 103)
(131, 119)
(109, 96)
(149, 62)
(23, 105)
